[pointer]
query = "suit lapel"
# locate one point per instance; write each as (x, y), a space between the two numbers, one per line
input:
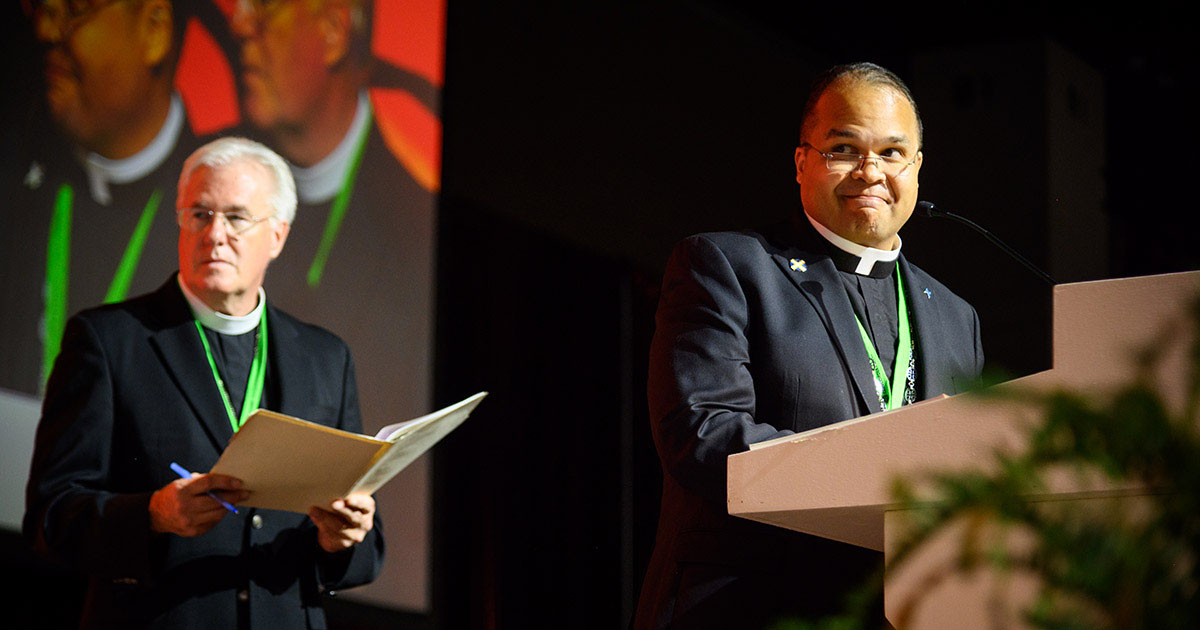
(821, 286)
(926, 326)
(288, 366)
(178, 344)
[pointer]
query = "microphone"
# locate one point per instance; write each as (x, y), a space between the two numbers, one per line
(927, 209)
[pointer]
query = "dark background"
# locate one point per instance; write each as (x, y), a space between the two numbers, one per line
(582, 141)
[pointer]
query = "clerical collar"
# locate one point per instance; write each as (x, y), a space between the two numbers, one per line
(859, 259)
(220, 322)
(102, 171)
(322, 181)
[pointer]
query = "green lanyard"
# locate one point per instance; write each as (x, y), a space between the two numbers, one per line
(58, 264)
(254, 384)
(893, 392)
(337, 211)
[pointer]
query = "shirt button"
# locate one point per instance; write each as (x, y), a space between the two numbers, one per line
(256, 521)
(243, 595)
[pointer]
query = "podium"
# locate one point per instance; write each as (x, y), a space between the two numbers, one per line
(835, 481)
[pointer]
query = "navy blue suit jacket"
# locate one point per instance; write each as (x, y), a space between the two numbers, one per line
(749, 347)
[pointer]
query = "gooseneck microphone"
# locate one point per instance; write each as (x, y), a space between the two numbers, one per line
(927, 209)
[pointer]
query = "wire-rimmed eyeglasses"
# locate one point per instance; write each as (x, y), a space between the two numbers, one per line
(236, 221)
(849, 162)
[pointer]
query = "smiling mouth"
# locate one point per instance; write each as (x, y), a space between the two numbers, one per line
(866, 199)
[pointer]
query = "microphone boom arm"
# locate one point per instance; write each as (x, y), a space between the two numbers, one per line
(927, 209)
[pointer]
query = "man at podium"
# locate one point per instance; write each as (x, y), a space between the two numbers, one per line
(765, 333)
(149, 388)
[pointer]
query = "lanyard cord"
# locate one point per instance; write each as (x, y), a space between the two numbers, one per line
(133, 251)
(337, 211)
(254, 383)
(58, 265)
(58, 261)
(891, 394)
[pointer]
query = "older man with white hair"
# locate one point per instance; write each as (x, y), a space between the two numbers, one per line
(169, 377)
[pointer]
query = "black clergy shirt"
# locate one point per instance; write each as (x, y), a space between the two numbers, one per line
(234, 355)
(873, 298)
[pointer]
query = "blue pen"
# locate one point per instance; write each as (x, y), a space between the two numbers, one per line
(182, 472)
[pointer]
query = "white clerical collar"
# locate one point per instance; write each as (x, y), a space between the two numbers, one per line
(102, 171)
(220, 322)
(322, 181)
(867, 256)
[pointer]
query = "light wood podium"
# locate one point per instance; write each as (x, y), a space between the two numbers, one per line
(835, 481)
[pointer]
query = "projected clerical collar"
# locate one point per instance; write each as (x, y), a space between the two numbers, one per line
(860, 259)
(220, 322)
(322, 181)
(102, 171)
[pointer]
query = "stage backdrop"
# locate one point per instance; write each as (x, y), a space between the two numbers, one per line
(111, 96)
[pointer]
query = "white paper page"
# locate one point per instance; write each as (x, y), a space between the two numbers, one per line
(408, 445)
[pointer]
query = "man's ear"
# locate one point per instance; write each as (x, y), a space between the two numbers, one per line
(155, 27)
(800, 153)
(279, 234)
(334, 23)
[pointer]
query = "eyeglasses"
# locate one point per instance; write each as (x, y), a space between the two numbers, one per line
(849, 162)
(69, 14)
(255, 13)
(237, 222)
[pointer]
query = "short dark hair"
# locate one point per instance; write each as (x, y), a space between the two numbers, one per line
(864, 72)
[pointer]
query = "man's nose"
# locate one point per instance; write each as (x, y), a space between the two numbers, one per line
(244, 22)
(49, 21)
(869, 162)
(217, 230)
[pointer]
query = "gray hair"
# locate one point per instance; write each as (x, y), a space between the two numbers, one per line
(864, 72)
(224, 151)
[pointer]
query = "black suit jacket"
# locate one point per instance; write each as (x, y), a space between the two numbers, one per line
(750, 347)
(131, 392)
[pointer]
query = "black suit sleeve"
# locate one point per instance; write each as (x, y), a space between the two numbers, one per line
(701, 391)
(72, 512)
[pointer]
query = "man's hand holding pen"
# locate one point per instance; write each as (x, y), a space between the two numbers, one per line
(195, 503)
(184, 506)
